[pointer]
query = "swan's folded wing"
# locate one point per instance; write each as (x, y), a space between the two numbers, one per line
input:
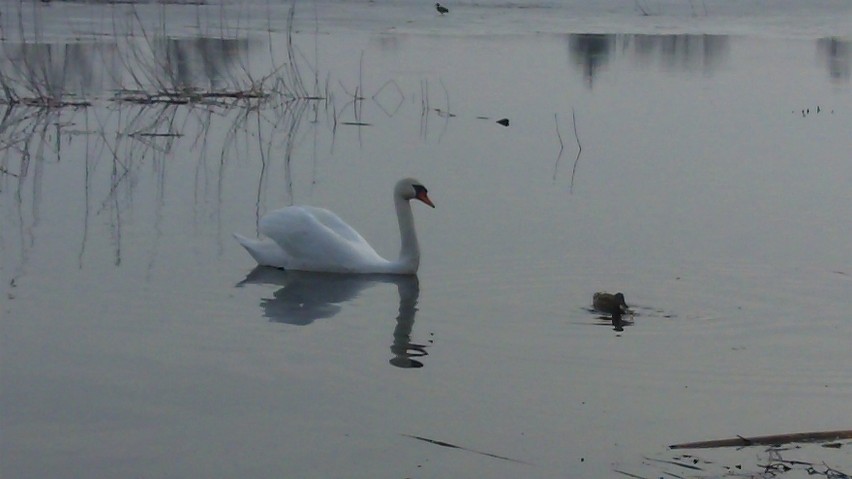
(317, 240)
(266, 252)
(338, 226)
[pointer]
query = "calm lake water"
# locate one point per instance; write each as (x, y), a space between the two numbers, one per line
(712, 188)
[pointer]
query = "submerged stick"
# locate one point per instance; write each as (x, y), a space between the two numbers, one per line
(740, 441)
(674, 463)
(629, 474)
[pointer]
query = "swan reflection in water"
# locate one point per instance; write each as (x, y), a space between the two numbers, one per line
(305, 297)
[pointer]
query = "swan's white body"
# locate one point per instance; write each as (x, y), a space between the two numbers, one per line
(307, 238)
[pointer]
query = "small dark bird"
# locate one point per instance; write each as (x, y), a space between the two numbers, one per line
(610, 304)
(441, 9)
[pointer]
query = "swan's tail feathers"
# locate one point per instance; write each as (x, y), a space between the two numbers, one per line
(266, 252)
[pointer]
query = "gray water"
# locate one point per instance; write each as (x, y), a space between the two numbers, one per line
(711, 187)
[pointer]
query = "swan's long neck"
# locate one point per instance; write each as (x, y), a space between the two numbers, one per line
(409, 252)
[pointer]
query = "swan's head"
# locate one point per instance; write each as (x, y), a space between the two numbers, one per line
(411, 189)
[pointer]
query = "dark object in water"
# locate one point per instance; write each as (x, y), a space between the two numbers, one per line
(504, 122)
(609, 303)
(740, 441)
(441, 9)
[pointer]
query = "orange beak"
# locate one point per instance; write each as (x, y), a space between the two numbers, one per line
(425, 198)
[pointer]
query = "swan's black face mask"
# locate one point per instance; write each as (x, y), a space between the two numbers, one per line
(421, 194)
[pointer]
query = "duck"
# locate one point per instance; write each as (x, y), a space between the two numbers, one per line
(610, 303)
(310, 238)
(441, 9)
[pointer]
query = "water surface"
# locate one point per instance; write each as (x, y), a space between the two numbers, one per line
(712, 189)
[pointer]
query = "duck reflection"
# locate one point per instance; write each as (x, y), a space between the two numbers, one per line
(305, 297)
(618, 323)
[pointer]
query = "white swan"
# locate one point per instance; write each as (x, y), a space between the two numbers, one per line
(307, 238)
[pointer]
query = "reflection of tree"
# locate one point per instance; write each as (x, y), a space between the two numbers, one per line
(683, 52)
(206, 62)
(51, 74)
(837, 55)
(590, 51)
(704, 53)
(55, 70)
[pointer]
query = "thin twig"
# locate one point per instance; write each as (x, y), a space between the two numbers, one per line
(579, 150)
(561, 146)
(454, 446)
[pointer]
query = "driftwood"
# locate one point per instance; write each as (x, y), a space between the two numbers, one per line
(740, 441)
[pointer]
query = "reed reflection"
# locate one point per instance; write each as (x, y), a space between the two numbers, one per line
(306, 297)
(691, 53)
